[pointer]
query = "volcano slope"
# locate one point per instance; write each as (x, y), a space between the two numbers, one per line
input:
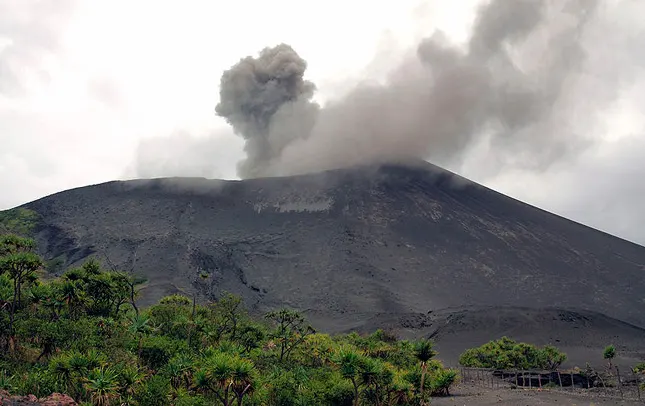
(408, 247)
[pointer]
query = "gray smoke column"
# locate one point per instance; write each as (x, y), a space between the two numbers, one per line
(528, 87)
(267, 101)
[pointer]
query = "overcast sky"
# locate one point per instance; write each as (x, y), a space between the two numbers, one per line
(92, 91)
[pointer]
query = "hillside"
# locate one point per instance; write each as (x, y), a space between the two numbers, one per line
(400, 246)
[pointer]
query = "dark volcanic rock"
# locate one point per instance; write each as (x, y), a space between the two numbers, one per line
(354, 248)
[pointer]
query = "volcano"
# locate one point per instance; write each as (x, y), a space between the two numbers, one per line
(409, 247)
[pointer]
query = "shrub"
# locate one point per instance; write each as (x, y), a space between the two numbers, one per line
(441, 381)
(506, 353)
(156, 351)
(154, 392)
(80, 334)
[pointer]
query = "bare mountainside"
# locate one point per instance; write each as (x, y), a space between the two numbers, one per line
(410, 247)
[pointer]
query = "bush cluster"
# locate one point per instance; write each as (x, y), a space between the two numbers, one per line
(506, 353)
(82, 334)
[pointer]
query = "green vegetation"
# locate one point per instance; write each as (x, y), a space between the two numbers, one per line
(609, 353)
(639, 368)
(18, 221)
(82, 334)
(509, 354)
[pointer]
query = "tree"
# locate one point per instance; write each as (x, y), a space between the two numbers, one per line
(442, 380)
(140, 326)
(372, 380)
(59, 367)
(129, 279)
(21, 267)
(180, 371)
(291, 330)
(230, 311)
(103, 386)
(72, 294)
(552, 358)
(127, 289)
(350, 363)
(609, 353)
(377, 377)
(228, 377)
(130, 377)
(423, 352)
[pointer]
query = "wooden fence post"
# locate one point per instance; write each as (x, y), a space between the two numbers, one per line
(638, 385)
(517, 383)
(620, 385)
(560, 380)
(573, 387)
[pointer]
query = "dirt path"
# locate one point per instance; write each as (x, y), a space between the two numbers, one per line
(464, 395)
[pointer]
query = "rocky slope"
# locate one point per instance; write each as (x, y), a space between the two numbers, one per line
(401, 246)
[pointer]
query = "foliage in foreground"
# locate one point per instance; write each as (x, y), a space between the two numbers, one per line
(82, 334)
(506, 353)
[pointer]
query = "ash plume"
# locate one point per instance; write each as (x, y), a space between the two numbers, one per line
(519, 87)
(267, 101)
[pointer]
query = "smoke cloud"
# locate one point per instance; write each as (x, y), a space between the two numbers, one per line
(268, 102)
(184, 155)
(518, 88)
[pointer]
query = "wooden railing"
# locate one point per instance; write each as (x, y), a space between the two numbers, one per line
(612, 383)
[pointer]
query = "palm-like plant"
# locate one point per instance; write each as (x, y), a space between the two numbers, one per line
(54, 305)
(423, 352)
(609, 353)
(71, 293)
(60, 367)
(377, 377)
(140, 325)
(103, 386)
(95, 359)
(350, 363)
(79, 367)
(400, 390)
(179, 370)
(129, 378)
(38, 294)
(228, 377)
(241, 378)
